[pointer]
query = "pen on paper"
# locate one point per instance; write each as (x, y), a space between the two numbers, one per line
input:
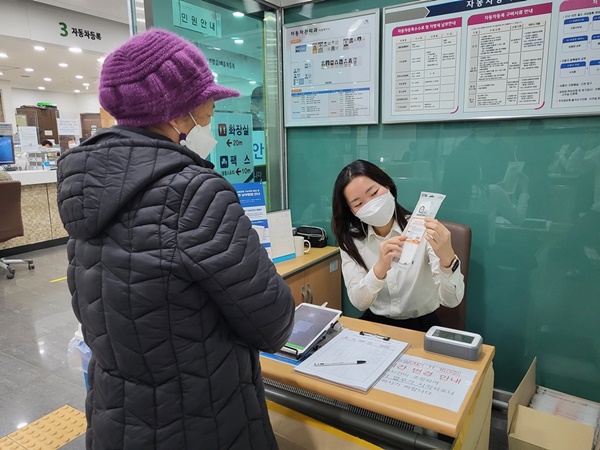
(379, 336)
(340, 363)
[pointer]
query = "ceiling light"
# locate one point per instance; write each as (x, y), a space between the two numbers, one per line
(1, 73)
(77, 91)
(75, 50)
(41, 88)
(252, 82)
(39, 48)
(86, 84)
(28, 69)
(3, 55)
(63, 64)
(217, 49)
(239, 41)
(21, 425)
(238, 14)
(47, 79)
(101, 59)
(79, 77)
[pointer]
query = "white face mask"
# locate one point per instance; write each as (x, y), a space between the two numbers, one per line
(72, 144)
(200, 139)
(379, 211)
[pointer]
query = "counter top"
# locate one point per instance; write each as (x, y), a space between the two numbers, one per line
(28, 177)
(299, 263)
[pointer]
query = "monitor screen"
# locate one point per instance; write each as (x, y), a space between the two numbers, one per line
(7, 153)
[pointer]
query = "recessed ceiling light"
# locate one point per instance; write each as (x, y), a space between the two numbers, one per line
(3, 55)
(77, 91)
(28, 69)
(41, 88)
(75, 50)
(1, 73)
(238, 14)
(239, 41)
(217, 49)
(47, 79)
(39, 48)
(21, 425)
(63, 64)
(101, 59)
(86, 84)
(79, 77)
(252, 82)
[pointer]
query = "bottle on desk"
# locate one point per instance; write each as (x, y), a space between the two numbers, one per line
(46, 163)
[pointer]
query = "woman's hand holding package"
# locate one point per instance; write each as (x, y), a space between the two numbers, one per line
(438, 237)
(388, 250)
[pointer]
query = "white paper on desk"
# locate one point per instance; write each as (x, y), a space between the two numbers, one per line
(428, 381)
(350, 345)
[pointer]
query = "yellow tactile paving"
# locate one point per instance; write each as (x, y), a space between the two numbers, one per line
(48, 433)
(7, 444)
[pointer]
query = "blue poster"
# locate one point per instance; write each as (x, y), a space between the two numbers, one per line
(252, 199)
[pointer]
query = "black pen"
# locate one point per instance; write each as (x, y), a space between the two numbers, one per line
(340, 363)
(385, 338)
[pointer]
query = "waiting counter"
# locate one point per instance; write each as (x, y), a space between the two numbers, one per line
(39, 208)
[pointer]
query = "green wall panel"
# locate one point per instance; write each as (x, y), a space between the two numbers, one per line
(534, 288)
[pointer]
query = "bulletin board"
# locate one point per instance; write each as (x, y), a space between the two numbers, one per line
(331, 70)
(483, 59)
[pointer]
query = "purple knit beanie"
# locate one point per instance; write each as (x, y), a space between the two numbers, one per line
(155, 77)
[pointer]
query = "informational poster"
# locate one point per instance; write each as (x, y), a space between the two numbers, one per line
(29, 139)
(428, 381)
(476, 59)
(508, 58)
(331, 72)
(69, 127)
(233, 154)
(252, 199)
(577, 65)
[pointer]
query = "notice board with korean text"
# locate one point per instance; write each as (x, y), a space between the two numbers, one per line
(470, 59)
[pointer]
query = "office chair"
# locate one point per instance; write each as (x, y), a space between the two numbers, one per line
(461, 243)
(11, 225)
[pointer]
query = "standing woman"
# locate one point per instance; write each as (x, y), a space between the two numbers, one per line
(173, 289)
(368, 224)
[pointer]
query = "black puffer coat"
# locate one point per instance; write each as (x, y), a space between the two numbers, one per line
(175, 294)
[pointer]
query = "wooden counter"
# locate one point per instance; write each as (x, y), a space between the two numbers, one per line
(315, 277)
(411, 411)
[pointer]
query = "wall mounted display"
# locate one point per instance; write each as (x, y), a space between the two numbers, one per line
(330, 70)
(478, 59)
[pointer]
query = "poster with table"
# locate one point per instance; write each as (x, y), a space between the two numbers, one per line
(331, 70)
(476, 59)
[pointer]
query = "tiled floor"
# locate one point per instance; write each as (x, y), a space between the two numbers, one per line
(36, 325)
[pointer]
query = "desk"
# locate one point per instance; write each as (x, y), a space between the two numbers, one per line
(315, 277)
(469, 426)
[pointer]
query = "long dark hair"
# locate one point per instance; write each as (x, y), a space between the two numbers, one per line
(345, 225)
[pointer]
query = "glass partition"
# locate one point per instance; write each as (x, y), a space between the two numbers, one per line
(237, 39)
(534, 284)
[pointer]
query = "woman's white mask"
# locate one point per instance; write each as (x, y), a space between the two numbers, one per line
(200, 139)
(379, 211)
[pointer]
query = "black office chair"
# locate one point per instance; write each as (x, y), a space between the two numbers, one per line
(11, 225)
(461, 242)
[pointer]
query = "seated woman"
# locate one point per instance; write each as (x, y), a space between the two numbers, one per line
(368, 224)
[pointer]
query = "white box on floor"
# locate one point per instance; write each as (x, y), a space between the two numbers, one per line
(530, 429)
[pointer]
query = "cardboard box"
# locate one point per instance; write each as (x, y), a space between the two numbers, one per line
(529, 429)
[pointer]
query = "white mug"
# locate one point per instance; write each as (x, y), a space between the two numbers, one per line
(301, 245)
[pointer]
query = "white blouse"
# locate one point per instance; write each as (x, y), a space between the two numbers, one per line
(401, 294)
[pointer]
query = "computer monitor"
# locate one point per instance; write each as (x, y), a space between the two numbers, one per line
(7, 150)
